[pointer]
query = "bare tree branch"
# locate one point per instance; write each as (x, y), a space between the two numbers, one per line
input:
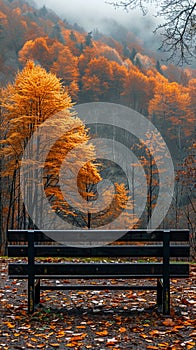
(178, 30)
(131, 5)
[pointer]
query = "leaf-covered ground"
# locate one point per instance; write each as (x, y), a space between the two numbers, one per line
(96, 320)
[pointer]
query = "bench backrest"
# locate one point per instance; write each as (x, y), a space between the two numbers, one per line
(134, 243)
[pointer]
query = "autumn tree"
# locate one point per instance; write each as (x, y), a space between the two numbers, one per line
(32, 99)
(118, 81)
(2, 238)
(153, 166)
(178, 29)
(57, 34)
(38, 51)
(73, 40)
(115, 204)
(56, 57)
(96, 82)
(88, 40)
(185, 199)
(168, 109)
(175, 74)
(192, 94)
(25, 105)
(110, 53)
(136, 90)
(66, 68)
(87, 54)
(113, 196)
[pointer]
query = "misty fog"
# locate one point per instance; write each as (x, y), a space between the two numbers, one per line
(96, 14)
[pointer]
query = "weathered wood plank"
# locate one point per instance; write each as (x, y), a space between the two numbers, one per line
(106, 251)
(82, 236)
(99, 270)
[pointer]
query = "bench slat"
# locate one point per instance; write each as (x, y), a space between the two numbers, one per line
(106, 251)
(98, 270)
(132, 235)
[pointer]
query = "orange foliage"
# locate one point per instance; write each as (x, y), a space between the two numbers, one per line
(136, 91)
(53, 55)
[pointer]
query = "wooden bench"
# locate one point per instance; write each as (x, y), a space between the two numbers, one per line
(135, 245)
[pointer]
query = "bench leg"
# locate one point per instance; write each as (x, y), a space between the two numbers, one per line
(166, 273)
(37, 291)
(159, 293)
(31, 272)
(31, 296)
(163, 296)
(166, 297)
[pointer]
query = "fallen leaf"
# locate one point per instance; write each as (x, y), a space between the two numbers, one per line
(143, 335)
(122, 330)
(54, 345)
(193, 334)
(168, 322)
(60, 334)
(156, 332)
(102, 333)
(100, 340)
(78, 337)
(34, 339)
(71, 345)
(163, 345)
(111, 341)
(29, 345)
(9, 325)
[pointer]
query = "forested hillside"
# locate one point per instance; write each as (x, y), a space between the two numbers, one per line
(95, 67)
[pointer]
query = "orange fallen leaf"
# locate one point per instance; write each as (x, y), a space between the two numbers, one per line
(34, 339)
(41, 346)
(10, 325)
(189, 322)
(122, 330)
(111, 341)
(78, 337)
(102, 333)
(193, 334)
(49, 335)
(163, 345)
(143, 335)
(156, 332)
(60, 334)
(168, 322)
(54, 345)
(71, 345)
(29, 345)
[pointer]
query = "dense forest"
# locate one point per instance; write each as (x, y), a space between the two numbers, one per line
(76, 66)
